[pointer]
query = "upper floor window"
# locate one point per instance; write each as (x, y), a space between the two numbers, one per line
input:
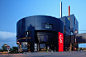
(68, 18)
(74, 21)
(49, 26)
(71, 33)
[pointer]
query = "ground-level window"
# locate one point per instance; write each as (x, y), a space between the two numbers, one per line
(24, 45)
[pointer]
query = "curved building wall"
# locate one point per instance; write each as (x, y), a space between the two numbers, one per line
(41, 29)
(38, 23)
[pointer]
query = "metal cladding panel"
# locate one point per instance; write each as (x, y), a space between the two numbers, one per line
(76, 25)
(67, 23)
(38, 23)
(72, 38)
(73, 23)
(63, 20)
(81, 38)
(29, 22)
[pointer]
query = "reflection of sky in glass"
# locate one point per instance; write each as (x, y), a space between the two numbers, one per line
(82, 45)
(23, 44)
(42, 45)
(44, 39)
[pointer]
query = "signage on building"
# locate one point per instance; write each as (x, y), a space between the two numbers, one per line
(60, 42)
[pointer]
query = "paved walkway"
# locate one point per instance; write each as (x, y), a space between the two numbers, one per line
(48, 54)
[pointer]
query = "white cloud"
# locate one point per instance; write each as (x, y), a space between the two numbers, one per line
(8, 38)
(6, 35)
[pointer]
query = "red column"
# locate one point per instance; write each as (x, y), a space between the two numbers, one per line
(60, 42)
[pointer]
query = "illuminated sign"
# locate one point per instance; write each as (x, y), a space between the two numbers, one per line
(60, 42)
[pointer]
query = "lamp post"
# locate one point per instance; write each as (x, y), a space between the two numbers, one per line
(18, 46)
(75, 38)
(75, 35)
(5, 46)
(26, 39)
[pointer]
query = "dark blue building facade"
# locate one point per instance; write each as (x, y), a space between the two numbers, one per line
(70, 28)
(66, 32)
(39, 33)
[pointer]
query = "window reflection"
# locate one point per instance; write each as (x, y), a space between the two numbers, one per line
(23, 44)
(48, 26)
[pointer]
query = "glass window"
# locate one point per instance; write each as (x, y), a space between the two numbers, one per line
(48, 26)
(23, 44)
(42, 45)
(68, 18)
(71, 33)
(74, 21)
(43, 38)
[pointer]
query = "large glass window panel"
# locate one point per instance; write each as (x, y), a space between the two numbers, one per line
(46, 26)
(24, 45)
(50, 26)
(42, 45)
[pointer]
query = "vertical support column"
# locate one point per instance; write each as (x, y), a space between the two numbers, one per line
(32, 46)
(38, 46)
(18, 48)
(70, 46)
(35, 47)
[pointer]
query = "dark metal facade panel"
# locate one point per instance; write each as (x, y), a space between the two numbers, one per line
(81, 38)
(33, 23)
(73, 23)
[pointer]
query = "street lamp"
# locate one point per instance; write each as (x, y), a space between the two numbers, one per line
(5, 45)
(18, 43)
(26, 39)
(75, 35)
(76, 32)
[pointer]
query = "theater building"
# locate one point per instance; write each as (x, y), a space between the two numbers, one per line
(44, 33)
(39, 32)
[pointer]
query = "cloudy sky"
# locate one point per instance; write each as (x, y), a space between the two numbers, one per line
(7, 38)
(13, 10)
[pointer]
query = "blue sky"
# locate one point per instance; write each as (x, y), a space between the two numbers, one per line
(13, 10)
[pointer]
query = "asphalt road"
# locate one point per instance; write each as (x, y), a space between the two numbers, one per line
(48, 54)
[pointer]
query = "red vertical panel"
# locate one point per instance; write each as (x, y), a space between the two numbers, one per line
(60, 42)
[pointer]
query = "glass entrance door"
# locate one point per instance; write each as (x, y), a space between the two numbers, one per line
(42, 47)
